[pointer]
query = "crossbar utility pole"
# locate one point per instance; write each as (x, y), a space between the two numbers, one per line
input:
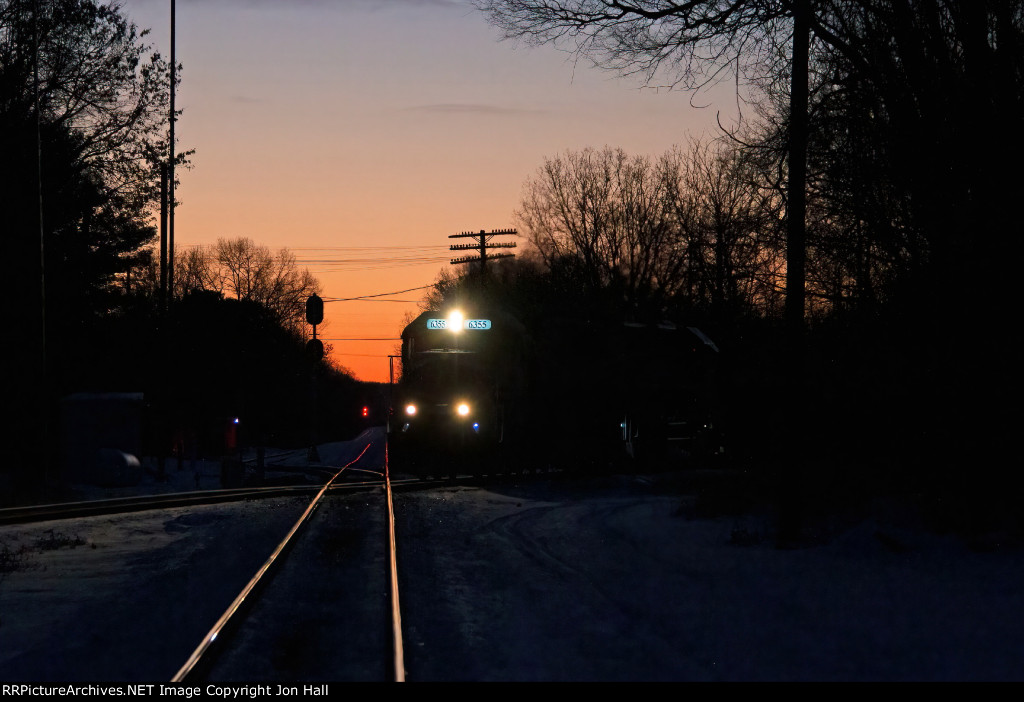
(482, 246)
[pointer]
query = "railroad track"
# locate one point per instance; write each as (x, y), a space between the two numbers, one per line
(234, 644)
(267, 632)
(120, 505)
(284, 619)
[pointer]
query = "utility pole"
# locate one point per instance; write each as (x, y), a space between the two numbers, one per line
(170, 178)
(43, 434)
(791, 507)
(483, 247)
(167, 254)
(163, 237)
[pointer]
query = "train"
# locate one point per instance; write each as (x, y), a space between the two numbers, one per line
(460, 397)
(479, 392)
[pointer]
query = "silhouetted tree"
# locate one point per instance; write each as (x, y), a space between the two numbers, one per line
(730, 231)
(689, 231)
(911, 217)
(228, 357)
(244, 270)
(83, 111)
(194, 271)
(92, 74)
(688, 45)
(83, 107)
(606, 219)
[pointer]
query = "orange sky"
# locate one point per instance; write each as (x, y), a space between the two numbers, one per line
(360, 134)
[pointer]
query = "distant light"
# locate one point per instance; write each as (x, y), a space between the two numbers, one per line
(366, 411)
(476, 426)
(462, 409)
(235, 420)
(410, 410)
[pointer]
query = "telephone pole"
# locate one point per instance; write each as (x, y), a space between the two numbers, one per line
(482, 246)
(163, 237)
(170, 166)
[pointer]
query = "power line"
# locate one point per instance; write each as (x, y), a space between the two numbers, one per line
(424, 247)
(363, 355)
(363, 258)
(367, 297)
(362, 265)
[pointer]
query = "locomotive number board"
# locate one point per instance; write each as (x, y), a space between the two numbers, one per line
(466, 324)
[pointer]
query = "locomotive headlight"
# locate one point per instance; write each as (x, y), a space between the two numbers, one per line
(410, 409)
(455, 321)
(462, 409)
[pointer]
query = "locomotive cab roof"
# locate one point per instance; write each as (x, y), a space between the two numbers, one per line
(437, 331)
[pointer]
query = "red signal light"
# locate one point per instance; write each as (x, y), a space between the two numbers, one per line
(366, 411)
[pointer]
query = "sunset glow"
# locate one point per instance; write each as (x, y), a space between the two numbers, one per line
(360, 135)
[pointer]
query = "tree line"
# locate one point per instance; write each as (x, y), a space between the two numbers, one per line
(908, 218)
(902, 185)
(690, 229)
(84, 117)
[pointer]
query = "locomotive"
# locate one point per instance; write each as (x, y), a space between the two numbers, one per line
(479, 394)
(459, 400)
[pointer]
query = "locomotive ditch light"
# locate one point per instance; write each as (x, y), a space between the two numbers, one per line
(410, 409)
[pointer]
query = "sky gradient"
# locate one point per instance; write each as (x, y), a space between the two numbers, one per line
(361, 134)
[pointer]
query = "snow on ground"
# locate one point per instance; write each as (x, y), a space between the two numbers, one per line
(633, 585)
(109, 598)
(881, 598)
(188, 474)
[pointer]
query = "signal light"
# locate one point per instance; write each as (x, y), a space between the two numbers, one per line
(314, 309)
(366, 411)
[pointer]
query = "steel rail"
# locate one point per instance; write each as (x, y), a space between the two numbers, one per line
(120, 505)
(68, 510)
(396, 613)
(240, 601)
